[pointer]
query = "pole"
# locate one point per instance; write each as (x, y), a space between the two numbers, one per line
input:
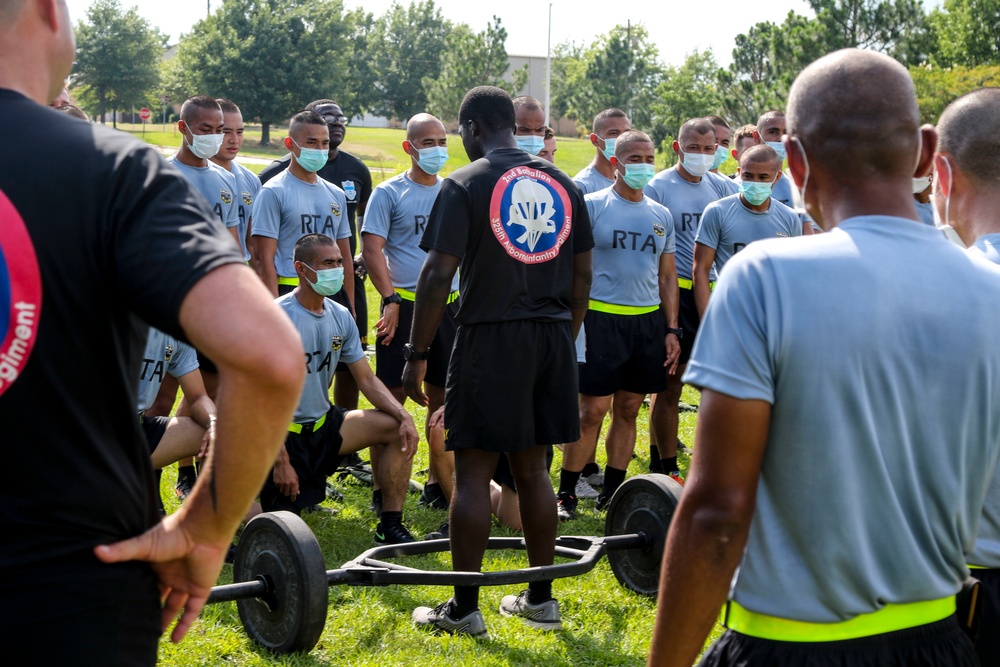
(548, 73)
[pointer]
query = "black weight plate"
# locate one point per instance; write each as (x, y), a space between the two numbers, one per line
(280, 547)
(644, 503)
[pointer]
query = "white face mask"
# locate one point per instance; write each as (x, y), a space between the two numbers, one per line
(945, 227)
(921, 184)
(205, 146)
(698, 164)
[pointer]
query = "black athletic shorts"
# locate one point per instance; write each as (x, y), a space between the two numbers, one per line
(153, 428)
(206, 365)
(938, 644)
(75, 610)
(624, 352)
(284, 289)
(511, 386)
(315, 456)
(688, 320)
(505, 476)
(389, 358)
(988, 639)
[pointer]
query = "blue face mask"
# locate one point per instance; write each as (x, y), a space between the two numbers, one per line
(311, 159)
(432, 160)
(328, 281)
(638, 176)
(609, 146)
(778, 147)
(721, 155)
(532, 144)
(755, 193)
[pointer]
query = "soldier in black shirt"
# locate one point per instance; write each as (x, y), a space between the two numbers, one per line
(519, 229)
(93, 246)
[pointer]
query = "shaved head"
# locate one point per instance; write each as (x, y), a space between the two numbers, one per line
(761, 154)
(857, 109)
(627, 139)
(195, 107)
(697, 126)
(300, 122)
(419, 125)
(969, 132)
(601, 119)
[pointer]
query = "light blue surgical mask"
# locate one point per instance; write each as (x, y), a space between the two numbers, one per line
(698, 164)
(755, 193)
(311, 159)
(778, 147)
(721, 155)
(532, 144)
(638, 176)
(609, 146)
(205, 146)
(432, 160)
(328, 281)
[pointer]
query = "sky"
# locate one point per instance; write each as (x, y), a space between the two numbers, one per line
(685, 27)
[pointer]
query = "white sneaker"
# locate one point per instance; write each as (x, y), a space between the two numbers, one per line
(584, 489)
(438, 618)
(544, 616)
(595, 480)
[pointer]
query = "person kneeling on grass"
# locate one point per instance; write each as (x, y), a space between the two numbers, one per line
(321, 434)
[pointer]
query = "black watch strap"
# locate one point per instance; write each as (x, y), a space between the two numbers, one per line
(677, 332)
(410, 354)
(392, 298)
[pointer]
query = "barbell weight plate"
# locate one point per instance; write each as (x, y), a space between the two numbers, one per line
(280, 547)
(642, 504)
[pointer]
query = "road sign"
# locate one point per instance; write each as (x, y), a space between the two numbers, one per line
(145, 114)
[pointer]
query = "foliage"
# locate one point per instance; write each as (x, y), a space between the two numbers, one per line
(471, 59)
(686, 92)
(117, 59)
(937, 87)
(968, 32)
(893, 27)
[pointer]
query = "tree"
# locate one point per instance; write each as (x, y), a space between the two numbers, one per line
(361, 70)
(407, 44)
(471, 59)
(271, 57)
(117, 58)
(968, 32)
(937, 86)
(688, 91)
(569, 67)
(894, 27)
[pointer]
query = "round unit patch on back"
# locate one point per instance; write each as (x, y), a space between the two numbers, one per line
(530, 214)
(20, 294)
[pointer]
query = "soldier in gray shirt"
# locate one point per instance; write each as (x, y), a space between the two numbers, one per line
(599, 174)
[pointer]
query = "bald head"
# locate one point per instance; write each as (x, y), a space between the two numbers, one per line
(627, 142)
(762, 155)
(969, 133)
(695, 126)
(856, 111)
(422, 124)
(198, 107)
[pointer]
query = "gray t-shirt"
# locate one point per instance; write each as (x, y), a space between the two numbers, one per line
(851, 336)
(164, 354)
(629, 238)
(728, 226)
(590, 180)
(288, 208)
(987, 550)
(216, 185)
(247, 184)
(686, 202)
(328, 339)
(398, 211)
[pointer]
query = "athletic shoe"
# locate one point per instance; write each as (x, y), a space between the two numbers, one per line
(543, 616)
(185, 484)
(394, 533)
(584, 489)
(684, 449)
(432, 496)
(596, 480)
(602, 502)
(314, 509)
(333, 494)
(676, 476)
(439, 534)
(566, 507)
(439, 619)
(685, 407)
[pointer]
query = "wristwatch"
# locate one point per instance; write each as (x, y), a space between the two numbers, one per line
(677, 332)
(410, 354)
(392, 298)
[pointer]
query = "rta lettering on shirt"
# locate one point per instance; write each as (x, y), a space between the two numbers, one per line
(20, 294)
(530, 215)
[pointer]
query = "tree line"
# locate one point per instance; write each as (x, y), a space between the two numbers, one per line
(270, 56)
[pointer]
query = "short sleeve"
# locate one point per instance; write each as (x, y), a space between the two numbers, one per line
(366, 185)
(352, 350)
(710, 227)
(583, 228)
(266, 213)
(447, 228)
(378, 215)
(670, 246)
(344, 224)
(732, 353)
(183, 361)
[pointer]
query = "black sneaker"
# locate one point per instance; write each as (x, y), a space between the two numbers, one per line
(185, 484)
(566, 506)
(602, 502)
(439, 534)
(394, 533)
(333, 493)
(432, 496)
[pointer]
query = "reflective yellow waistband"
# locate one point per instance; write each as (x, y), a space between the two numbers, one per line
(297, 428)
(978, 567)
(412, 296)
(890, 618)
(686, 283)
(615, 309)
(294, 282)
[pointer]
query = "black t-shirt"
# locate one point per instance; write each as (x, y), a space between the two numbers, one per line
(346, 172)
(510, 217)
(98, 236)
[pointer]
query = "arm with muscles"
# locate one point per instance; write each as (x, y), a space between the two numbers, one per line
(583, 275)
(371, 250)
(233, 321)
(669, 303)
(345, 250)
(266, 249)
(709, 531)
(380, 397)
(202, 409)
(433, 288)
(704, 256)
